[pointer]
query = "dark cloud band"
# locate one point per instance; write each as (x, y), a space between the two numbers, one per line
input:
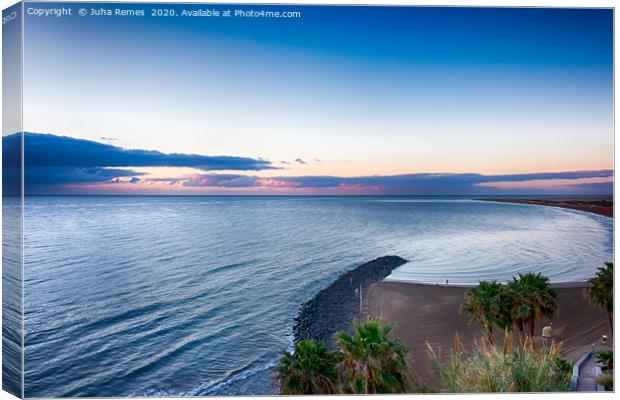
(52, 159)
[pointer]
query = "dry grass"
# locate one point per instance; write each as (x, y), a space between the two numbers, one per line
(511, 367)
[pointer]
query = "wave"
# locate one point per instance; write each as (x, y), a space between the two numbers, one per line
(211, 387)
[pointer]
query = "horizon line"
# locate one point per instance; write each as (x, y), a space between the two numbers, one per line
(313, 195)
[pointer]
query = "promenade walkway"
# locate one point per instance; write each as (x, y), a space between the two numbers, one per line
(587, 376)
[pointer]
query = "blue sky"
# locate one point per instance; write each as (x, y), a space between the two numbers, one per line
(351, 91)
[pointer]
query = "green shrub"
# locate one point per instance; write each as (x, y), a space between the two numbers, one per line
(565, 365)
(606, 358)
(607, 380)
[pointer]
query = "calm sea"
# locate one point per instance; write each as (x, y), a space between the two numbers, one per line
(197, 295)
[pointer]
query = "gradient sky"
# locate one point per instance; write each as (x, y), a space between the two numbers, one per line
(342, 92)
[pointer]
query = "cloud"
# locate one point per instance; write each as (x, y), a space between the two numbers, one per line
(221, 180)
(56, 164)
(51, 160)
(412, 184)
(300, 161)
(51, 150)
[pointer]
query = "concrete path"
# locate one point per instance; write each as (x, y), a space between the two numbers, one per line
(587, 376)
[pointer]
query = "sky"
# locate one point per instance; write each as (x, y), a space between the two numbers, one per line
(342, 100)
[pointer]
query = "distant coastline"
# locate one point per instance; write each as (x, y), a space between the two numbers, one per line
(598, 205)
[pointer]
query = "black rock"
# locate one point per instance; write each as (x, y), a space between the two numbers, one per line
(334, 308)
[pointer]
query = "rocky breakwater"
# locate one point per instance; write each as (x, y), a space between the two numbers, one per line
(334, 308)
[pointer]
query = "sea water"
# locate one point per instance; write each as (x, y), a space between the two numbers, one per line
(197, 295)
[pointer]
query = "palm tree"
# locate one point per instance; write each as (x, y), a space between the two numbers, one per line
(372, 362)
(310, 370)
(486, 306)
(532, 298)
(516, 304)
(601, 291)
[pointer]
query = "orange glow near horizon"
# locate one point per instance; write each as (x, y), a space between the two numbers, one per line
(204, 183)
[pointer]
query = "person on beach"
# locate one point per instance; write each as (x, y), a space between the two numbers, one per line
(547, 333)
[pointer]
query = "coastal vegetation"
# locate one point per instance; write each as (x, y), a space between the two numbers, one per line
(367, 361)
(486, 306)
(310, 370)
(600, 292)
(372, 362)
(606, 358)
(607, 380)
(519, 303)
(530, 298)
(491, 368)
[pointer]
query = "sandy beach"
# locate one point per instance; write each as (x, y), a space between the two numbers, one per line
(422, 312)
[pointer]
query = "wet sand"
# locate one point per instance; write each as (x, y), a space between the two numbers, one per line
(422, 312)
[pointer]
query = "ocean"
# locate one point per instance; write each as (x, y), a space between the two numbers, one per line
(173, 296)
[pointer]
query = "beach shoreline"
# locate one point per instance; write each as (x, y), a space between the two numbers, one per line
(429, 312)
(463, 285)
(601, 205)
